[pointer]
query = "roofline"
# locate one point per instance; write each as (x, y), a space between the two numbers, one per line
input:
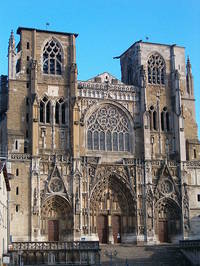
(154, 43)
(47, 31)
(117, 57)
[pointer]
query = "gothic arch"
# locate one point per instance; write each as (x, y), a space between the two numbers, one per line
(156, 69)
(167, 220)
(57, 56)
(56, 218)
(112, 198)
(114, 132)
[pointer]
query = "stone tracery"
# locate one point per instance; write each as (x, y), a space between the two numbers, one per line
(156, 69)
(52, 58)
(108, 129)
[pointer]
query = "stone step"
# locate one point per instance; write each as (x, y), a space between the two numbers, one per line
(142, 255)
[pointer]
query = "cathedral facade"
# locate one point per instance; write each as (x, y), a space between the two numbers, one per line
(102, 159)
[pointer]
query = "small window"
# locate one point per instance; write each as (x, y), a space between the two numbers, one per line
(26, 133)
(27, 58)
(57, 113)
(27, 101)
(17, 190)
(26, 145)
(28, 45)
(27, 117)
(27, 71)
(17, 208)
(16, 145)
(48, 107)
(198, 197)
(27, 85)
(17, 172)
(195, 153)
(63, 113)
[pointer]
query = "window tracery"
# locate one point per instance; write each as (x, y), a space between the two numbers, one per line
(108, 130)
(60, 112)
(156, 69)
(45, 110)
(52, 58)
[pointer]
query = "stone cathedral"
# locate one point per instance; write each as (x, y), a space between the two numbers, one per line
(102, 159)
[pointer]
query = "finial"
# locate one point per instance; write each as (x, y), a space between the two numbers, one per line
(188, 64)
(12, 40)
(188, 59)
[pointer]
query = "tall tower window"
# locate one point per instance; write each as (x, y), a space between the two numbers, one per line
(165, 123)
(48, 109)
(60, 111)
(45, 110)
(52, 58)
(156, 69)
(153, 118)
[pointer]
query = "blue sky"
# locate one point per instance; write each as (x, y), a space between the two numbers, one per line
(108, 27)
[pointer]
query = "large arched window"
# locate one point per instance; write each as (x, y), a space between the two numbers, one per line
(52, 58)
(108, 129)
(156, 69)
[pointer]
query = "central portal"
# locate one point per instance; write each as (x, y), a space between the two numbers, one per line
(112, 210)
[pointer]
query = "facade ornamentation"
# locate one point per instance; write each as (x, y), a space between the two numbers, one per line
(101, 157)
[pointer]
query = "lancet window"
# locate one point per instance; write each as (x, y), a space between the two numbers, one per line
(153, 118)
(45, 110)
(60, 112)
(156, 69)
(108, 129)
(165, 123)
(52, 58)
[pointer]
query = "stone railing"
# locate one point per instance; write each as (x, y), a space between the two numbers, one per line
(191, 250)
(19, 156)
(72, 245)
(53, 253)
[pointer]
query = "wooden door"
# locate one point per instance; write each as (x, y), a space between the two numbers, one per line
(163, 231)
(102, 228)
(116, 227)
(53, 230)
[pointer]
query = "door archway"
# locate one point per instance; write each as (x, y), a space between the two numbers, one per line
(112, 209)
(57, 219)
(168, 220)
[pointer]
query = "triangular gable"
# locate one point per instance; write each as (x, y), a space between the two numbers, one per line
(105, 77)
(55, 182)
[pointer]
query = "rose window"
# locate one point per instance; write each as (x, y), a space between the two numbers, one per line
(166, 187)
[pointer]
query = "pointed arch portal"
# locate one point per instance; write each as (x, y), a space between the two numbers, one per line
(57, 219)
(168, 220)
(112, 211)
